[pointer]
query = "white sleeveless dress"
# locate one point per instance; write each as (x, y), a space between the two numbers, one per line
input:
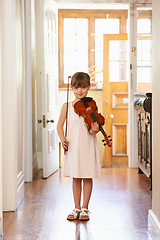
(82, 158)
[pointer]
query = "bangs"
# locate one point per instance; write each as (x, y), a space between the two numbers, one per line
(80, 83)
(80, 79)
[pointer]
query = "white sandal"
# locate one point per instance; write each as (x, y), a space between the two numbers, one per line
(74, 214)
(84, 214)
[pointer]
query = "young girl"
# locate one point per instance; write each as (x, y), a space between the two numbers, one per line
(81, 161)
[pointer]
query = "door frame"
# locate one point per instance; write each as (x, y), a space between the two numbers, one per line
(132, 87)
(28, 95)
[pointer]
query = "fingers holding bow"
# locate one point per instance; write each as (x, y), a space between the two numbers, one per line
(65, 144)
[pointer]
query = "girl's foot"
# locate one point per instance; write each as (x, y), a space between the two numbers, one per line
(74, 214)
(84, 214)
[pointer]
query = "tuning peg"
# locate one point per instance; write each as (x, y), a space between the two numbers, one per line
(110, 140)
(109, 136)
(104, 144)
(103, 140)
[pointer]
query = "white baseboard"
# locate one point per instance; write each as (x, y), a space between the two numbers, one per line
(39, 157)
(20, 187)
(35, 165)
(153, 225)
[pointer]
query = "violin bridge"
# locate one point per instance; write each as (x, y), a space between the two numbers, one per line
(88, 109)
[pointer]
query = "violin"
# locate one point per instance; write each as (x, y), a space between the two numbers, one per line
(87, 108)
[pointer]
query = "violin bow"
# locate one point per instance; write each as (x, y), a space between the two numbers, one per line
(67, 111)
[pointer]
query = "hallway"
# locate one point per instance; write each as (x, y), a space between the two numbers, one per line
(119, 209)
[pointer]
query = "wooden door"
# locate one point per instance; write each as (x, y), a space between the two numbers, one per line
(48, 61)
(115, 98)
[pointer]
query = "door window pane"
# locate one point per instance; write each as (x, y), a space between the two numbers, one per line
(144, 26)
(103, 26)
(107, 26)
(144, 45)
(118, 61)
(144, 74)
(75, 46)
(69, 43)
(144, 54)
(69, 26)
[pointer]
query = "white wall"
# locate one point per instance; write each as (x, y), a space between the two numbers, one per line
(12, 103)
(156, 112)
(1, 215)
(9, 103)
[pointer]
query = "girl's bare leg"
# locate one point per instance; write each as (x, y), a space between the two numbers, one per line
(87, 190)
(77, 189)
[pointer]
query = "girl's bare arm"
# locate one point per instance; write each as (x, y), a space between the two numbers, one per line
(60, 126)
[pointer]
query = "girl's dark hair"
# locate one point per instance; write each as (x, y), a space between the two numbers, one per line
(80, 79)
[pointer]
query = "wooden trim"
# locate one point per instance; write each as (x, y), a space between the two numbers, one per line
(91, 41)
(83, 13)
(123, 24)
(60, 50)
(144, 14)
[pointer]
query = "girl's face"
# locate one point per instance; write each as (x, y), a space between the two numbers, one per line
(80, 92)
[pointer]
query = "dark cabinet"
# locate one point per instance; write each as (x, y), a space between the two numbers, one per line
(143, 105)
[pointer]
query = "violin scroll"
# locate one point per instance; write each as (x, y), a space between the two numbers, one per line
(107, 141)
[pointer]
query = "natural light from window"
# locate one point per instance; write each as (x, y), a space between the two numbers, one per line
(144, 46)
(75, 46)
(118, 61)
(102, 26)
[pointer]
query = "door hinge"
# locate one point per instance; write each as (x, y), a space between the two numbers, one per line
(134, 50)
(44, 121)
(131, 80)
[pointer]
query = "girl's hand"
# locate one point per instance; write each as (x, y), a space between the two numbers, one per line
(65, 144)
(94, 128)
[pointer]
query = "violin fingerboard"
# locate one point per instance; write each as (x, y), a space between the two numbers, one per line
(95, 119)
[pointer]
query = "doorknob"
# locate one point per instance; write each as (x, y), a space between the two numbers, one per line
(51, 121)
(39, 120)
(111, 116)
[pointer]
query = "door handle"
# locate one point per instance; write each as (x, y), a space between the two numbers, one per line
(51, 121)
